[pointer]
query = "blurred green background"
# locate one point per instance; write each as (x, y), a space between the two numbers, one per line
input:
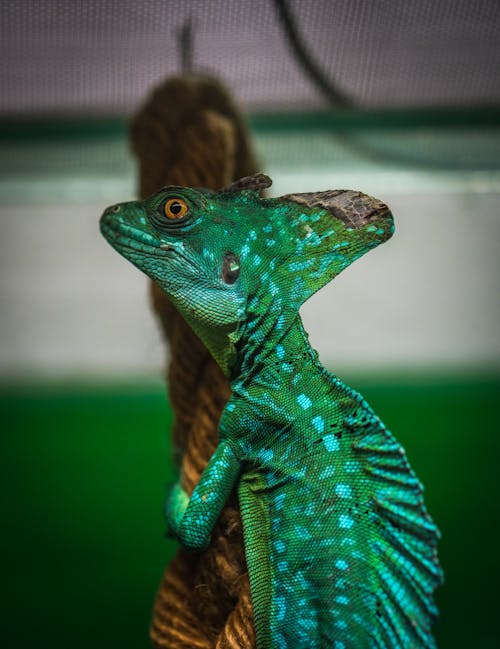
(84, 478)
(403, 102)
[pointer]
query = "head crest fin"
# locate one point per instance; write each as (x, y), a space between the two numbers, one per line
(354, 209)
(257, 182)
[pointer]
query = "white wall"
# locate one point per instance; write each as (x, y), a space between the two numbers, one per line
(69, 305)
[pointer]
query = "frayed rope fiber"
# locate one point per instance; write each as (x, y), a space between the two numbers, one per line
(189, 132)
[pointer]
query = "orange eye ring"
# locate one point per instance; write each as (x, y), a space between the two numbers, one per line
(175, 209)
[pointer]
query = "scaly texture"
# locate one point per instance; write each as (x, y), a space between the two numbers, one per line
(340, 548)
(190, 132)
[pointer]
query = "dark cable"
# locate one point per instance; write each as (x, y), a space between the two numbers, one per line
(338, 99)
(304, 58)
(185, 43)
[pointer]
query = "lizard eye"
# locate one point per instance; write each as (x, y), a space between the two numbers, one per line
(175, 208)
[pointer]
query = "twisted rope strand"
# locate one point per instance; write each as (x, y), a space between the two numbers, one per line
(190, 133)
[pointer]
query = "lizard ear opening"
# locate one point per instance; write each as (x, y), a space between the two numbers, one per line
(230, 268)
(333, 229)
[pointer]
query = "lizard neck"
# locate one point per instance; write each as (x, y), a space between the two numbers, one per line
(271, 339)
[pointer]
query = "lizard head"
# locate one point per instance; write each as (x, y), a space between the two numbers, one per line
(221, 256)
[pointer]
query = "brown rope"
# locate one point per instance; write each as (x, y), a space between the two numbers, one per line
(189, 132)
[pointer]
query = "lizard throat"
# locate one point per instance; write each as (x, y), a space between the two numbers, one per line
(265, 343)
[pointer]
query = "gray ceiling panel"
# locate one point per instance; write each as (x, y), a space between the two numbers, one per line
(102, 56)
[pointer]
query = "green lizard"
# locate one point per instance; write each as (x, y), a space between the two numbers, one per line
(340, 549)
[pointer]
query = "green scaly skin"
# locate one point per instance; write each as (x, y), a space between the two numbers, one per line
(340, 549)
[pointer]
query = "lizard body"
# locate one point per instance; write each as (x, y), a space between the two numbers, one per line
(340, 549)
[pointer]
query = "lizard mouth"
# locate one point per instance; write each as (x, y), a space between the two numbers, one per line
(126, 237)
(129, 239)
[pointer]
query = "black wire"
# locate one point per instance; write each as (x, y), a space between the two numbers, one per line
(338, 99)
(185, 43)
(335, 96)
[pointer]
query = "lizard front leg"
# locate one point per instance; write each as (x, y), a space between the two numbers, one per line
(191, 520)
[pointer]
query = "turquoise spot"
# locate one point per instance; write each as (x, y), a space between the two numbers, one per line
(327, 472)
(280, 351)
(327, 543)
(304, 402)
(331, 442)
(341, 564)
(318, 423)
(301, 265)
(279, 546)
(277, 305)
(245, 250)
(270, 243)
(342, 599)
(380, 231)
(302, 532)
(308, 624)
(309, 510)
(273, 289)
(343, 490)
(282, 566)
(270, 477)
(256, 260)
(346, 522)
(266, 455)
(278, 501)
(338, 645)
(280, 608)
(281, 642)
(302, 581)
(301, 472)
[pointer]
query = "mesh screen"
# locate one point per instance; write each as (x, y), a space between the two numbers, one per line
(94, 56)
